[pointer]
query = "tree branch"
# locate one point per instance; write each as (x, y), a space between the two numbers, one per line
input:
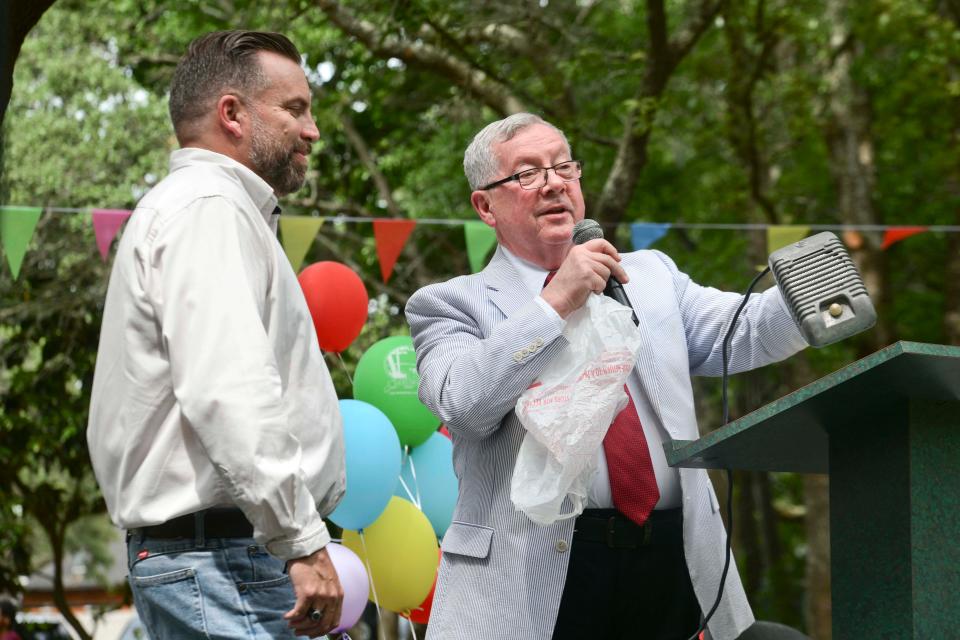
(414, 52)
(664, 54)
(363, 151)
(690, 32)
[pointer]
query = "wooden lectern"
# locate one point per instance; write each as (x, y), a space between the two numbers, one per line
(887, 430)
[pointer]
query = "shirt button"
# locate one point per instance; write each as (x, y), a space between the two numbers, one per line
(561, 546)
(538, 342)
(518, 356)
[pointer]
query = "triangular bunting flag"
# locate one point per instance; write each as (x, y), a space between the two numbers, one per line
(106, 224)
(16, 230)
(297, 234)
(480, 239)
(853, 239)
(781, 236)
(892, 236)
(390, 237)
(644, 234)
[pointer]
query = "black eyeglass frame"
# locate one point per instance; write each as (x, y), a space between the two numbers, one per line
(544, 171)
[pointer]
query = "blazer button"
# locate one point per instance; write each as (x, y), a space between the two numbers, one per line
(561, 546)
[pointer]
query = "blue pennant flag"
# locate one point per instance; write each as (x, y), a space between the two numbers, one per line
(645, 234)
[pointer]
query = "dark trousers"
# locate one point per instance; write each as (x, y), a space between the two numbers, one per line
(627, 581)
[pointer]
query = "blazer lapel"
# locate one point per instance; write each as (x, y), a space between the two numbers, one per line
(647, 364)
(504, 286)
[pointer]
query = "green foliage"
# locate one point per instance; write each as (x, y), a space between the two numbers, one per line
(79, 132)
(742, 132)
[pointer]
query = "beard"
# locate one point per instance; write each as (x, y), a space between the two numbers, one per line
(274, 161)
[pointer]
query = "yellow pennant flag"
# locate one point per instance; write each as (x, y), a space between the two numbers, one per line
(296, 235)
(781, 235)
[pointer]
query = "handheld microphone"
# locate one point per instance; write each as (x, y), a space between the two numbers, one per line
(823, 289)
(587, 230)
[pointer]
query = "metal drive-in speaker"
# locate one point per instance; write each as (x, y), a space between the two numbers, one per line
(823, 289)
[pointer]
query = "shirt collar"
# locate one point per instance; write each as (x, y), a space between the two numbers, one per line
(260, 192)
(531, 275)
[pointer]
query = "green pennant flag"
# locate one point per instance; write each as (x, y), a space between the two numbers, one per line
(16, 230)
(297, 234)
(480, 239)
(780, 236)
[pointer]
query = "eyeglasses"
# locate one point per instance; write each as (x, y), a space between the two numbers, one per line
(537, 177)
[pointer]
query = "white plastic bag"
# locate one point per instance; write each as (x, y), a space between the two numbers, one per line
(567, 411)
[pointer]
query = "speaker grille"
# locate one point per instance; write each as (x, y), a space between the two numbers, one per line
(806, 279)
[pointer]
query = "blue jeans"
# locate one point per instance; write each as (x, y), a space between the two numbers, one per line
(217, 588)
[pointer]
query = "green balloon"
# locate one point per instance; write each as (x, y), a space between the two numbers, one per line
(387, 378)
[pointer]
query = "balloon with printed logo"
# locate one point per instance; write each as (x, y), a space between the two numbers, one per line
(337, 301)
(386, 377)
(427, 477)
(373, 460)
(401, 551)
(353, 578)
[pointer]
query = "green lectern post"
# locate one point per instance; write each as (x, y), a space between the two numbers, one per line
(887, 430)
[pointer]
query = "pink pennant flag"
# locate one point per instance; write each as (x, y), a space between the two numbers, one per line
(896, 234)
(106, 224)
(390, 237)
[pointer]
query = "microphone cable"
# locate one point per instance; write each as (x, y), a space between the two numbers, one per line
(726, 420)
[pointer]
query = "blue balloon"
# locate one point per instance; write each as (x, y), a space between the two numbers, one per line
(436, 483)
(373, 464)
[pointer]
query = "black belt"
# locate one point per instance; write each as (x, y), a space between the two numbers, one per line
(218, 522)
(617, 531)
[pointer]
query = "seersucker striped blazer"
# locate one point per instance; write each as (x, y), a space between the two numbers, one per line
(481, 340)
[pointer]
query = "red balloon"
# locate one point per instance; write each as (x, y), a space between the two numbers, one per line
(337, 301)
(421, 615)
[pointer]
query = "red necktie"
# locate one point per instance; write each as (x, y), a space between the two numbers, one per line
(632, 481)
(629, 467)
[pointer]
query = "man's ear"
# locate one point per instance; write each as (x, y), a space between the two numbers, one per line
(231, 114)
(484, 208)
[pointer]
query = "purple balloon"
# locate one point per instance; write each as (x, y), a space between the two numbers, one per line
(353, 579)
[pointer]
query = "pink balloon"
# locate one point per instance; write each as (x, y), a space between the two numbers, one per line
(353, 579)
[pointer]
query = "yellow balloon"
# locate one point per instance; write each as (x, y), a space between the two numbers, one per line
(401, 549)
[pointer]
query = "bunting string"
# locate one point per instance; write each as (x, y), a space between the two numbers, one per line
(728, 226)
(297, 233)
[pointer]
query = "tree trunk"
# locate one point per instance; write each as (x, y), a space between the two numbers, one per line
(849, 138)
(818, 616)
(56, 536)
(17, 18)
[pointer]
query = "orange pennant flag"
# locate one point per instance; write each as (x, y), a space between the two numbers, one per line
(390, 237)
(896, 234)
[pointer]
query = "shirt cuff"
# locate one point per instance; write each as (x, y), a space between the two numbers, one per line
(302, 546)
(551, 313)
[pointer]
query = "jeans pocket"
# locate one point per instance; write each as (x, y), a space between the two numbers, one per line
(265, 602)
(171, 603)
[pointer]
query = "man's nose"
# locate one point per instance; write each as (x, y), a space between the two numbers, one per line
(310, 130)
(552, 182)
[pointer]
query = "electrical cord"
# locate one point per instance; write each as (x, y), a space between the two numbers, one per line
(726, 419)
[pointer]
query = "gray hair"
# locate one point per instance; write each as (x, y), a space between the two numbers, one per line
(480, 163)
(216, 64)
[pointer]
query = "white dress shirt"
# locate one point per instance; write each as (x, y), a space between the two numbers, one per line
(599, 495)
(210, 388)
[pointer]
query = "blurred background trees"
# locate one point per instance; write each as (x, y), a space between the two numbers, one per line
(684, 111)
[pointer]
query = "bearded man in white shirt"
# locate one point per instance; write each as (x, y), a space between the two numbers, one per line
(214, 428)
